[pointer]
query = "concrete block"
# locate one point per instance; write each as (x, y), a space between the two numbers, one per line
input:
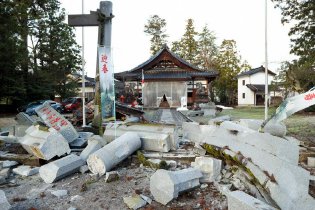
(55, 120)
(113, 153)
(93, 146)
(209, 167)
(78, 143)
(240, 200)
(311, 162)
(61, 168)
(44, 144)
(134, 202)
(174, 182)
(263, 141)
(195, 132)
(218, 120)
(113, 131)
(26, 170)
(4, 204)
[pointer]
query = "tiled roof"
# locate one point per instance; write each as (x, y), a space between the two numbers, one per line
(254, 71)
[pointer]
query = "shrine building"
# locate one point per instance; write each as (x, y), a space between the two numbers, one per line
(167, 80)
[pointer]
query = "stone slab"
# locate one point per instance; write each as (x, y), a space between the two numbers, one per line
(239, 200)
(195, 132)
(209, 167)
(55, 120)
(218, 120)
(60, 168)
(278, 129)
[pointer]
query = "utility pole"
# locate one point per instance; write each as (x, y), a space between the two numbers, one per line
(266, 64)
(83, 74)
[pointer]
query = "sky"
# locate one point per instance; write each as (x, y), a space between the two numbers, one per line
(241, 20)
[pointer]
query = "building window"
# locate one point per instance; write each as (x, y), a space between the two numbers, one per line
(243, 95)
(243, 82)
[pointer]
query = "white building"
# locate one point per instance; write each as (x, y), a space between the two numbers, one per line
(251, 86)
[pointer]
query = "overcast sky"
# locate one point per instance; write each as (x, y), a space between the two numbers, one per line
(241, 20)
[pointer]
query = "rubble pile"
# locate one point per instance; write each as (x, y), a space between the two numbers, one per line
(251, 169)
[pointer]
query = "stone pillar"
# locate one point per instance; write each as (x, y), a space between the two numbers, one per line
(166, 185)
(58, 169)
(240, 200)
(209, 167)
(113, 153)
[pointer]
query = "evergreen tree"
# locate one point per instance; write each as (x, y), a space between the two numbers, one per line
(207, 49)
(229, 66)
(156, 29)
(187, 47)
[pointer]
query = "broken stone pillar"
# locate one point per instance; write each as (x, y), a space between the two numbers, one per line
(158, 142)
(93, 146)
(143, 129)
(240, 200)
(44, 144)
(54, 119)
(113, 153)
(61, 168)
(209, 167)
(166, 185)
(4, 204)
(192, 131)
(26, 170)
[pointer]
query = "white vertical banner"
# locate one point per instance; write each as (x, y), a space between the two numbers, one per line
(106, 71)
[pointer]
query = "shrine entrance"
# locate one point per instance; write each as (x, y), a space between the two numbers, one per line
(164, 103)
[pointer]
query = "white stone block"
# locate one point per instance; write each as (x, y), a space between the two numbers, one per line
(59, 193)
(44, 144)
(4, 204)
(26, 170)
(113, 153)
(239, 200)
(9, 163)
(61, 168)
(197, 133)
(276, 129)
(134, 202)
(209, 167)
(93, 146)
(174, 182)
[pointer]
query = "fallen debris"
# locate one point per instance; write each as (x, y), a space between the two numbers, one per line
(240, 200)
(134, 202)
(60, 168)
(106, 158)
(173, 183)
(59, 193)
(26, 159)
(93, 146)
(210, 168)
(26, 170)
(111, 176)
(44, 143)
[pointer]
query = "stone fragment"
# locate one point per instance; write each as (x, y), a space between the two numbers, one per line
(76, 198)
(55, 120)
(134, 202)
(311, 162)
(111, 176)
(199, 150)
(219, 120)
(113, 131)
(203, 186)
(174, 182)
(106, 158)
(93, 146)
(72, 208)
(83, 169)
(44, 144)
(240, 200)
(59, 193)
(4, 204)
(209, 167)
(78, 143)
(146, 198)
(58, 169)
(26, 170)
(9, 163)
